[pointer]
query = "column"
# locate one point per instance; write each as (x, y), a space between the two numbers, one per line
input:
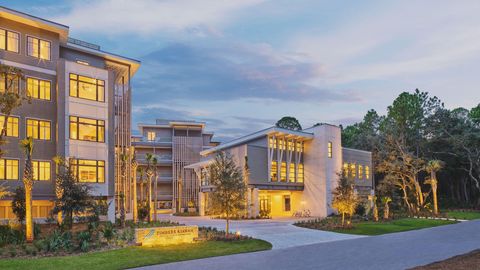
(256, 207)
(111, 209)
(201, 204)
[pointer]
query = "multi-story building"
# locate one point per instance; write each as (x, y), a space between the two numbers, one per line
(175, 144)
(80, 109)
(290, 171)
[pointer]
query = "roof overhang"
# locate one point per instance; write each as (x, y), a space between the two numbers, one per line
(60, 29)
(276, 131)
(132, 63)
(199, 165)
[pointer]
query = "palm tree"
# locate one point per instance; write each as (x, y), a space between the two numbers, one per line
(154, 163)
(58, 187)
(134, 188)
(433, 166)
(124, 159)
(27, 146)
(386, 207)
(3, 191)
(140, 171)
(149, 173)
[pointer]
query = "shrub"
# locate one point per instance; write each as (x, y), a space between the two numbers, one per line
(31, 250)
(58, 241)
(11, 236)
(84, 240)
(37, 230)
(108, 231)
(143, 211)
(18, 204)
(12, 251)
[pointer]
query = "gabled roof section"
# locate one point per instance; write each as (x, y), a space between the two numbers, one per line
(34, 21)
(260, 134)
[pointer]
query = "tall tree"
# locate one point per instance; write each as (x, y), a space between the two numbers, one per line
(11, 96)
(27, 147)
(134, 187)
(3, 191)
(155, 184)
(141, 172)
(124, 158)
(228, 196)
(289, 122)
(149, 173)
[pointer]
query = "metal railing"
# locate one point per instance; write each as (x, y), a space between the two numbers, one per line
(83, 43)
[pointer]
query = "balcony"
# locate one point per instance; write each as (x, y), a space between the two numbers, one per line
(157, 142)
(161, 159)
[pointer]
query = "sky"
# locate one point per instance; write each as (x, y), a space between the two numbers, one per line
(240, 65)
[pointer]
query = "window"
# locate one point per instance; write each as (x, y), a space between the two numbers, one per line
(39, 89)
(300, 173)
(85, 129)
(353, 170)
(9, 40)
(12, 125)
(10, 83)
(41, 170)
(38, 48)
(281, 144)
(273, 172)
(345, 169)
(87, 88)
(330, 150)
(272, 142)
(151, 136)
(291, 146)
(367, 172)
(265, 203)
(89, 171)
(287, 203)
(291, 173)
(38, 129)
(8, 169)
(283, 172)
(299, 147)
(360, 171)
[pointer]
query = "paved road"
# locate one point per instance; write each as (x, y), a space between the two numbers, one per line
(392, 251)
(279, 232)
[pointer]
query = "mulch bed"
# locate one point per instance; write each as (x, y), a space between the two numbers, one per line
(469, 261)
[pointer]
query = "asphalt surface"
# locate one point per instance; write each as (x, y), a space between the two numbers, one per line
(391, 251)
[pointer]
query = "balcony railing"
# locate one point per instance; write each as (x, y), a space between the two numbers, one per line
(156, 140)
(83, 43)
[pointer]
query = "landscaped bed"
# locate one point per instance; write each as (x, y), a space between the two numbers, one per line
(462, 262)
(463, 214)
(139, 256)
(370, 227)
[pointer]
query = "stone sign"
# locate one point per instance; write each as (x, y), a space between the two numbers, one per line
(162, 236)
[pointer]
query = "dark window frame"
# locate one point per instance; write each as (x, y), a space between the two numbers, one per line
(77, 80)
(76, 169)
(40, 80)
(38, 49)
(6, 40)
(78, 122)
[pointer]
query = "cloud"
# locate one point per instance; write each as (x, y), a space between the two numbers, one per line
(230, 71)
(149, 16)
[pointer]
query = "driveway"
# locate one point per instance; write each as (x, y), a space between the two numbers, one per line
(391, 251)
(281, 232)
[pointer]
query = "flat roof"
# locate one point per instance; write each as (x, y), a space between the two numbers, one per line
(256, 135)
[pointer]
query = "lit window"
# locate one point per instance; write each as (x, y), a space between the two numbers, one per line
(291, 146)
(330, 150)
(299, 147)
(281, 144)
(9, 40)
(367, 172)
(87, 88)
(151, 136)
(85, 129)
(39, 89)
(273, 172)
(300, 173)
(283, 172)
(291, 173)
(9, 82)
(8, 169)
(38, 129)
(41, 170)
(345, 169)
(39, 48)
(353, 170)
(89, 171)
(12, 125)
(272, 142)
(360, 171)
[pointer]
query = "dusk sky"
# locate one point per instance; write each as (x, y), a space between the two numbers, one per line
(242, 65)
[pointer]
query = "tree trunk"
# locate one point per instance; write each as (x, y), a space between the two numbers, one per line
(28, 214)
(150, 199)
(343, 219)
(227, 228)
(156, 195)
(135, 202)
(141, 190)
(435, 202)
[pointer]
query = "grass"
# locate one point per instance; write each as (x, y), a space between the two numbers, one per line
(139, 256)
(399, 225)
(467, 215)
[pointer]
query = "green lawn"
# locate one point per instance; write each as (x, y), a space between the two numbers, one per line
(467, 215)
(400, 225)
(138, 256)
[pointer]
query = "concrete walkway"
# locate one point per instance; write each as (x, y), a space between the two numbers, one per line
(281, 232)
(391, 251)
